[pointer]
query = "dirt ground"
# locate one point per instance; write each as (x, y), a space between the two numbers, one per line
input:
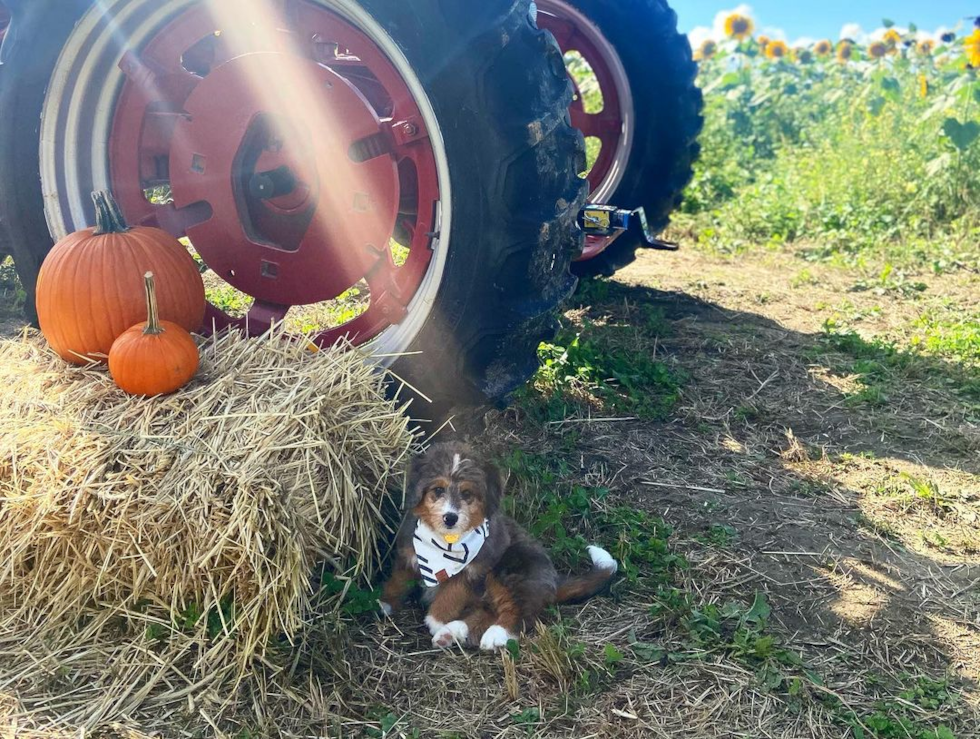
(856, 523)
(776, 482)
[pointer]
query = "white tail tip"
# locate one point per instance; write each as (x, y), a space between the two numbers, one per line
(601, 559)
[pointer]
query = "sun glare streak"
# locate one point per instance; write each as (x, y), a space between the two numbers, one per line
(288, 88)
(289, 143)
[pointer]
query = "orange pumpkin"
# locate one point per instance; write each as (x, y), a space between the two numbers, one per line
(153, 358)
(90, 288)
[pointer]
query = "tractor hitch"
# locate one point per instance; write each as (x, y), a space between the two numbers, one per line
(603, 224)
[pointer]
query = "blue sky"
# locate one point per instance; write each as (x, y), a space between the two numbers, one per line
(813, 19)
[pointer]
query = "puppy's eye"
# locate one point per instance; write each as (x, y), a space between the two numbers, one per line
(467, 496)
(437, 492)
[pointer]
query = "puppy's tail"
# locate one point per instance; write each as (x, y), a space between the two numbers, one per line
(585, 586)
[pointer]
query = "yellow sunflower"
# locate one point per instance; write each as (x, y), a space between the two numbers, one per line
(823, 48)
(845, 51)
(764, 41)
(777, 50)
(738, 26)
(972, 45)
(892, 38)
(925, 47)
(923, 86)
(706, 50)
(877, 49)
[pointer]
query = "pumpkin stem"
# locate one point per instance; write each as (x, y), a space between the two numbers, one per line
(108, 217)
(152, 315)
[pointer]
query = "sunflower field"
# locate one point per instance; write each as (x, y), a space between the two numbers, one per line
(847, 151)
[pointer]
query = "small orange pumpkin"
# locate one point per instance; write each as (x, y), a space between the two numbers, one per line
(153, 358)
(90, 288)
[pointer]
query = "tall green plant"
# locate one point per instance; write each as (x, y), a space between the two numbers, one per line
(848, 156)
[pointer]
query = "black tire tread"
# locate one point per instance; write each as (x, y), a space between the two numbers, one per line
(533, 236)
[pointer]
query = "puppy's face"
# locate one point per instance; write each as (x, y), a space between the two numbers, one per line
(453, 491)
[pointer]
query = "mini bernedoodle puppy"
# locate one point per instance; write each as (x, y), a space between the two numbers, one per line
(485, 579)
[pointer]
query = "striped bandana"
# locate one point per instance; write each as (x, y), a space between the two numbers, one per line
(439, 561)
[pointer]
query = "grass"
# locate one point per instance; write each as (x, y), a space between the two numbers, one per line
(303, 319)
(12, 294)
(851, 164)
(882, 368)
(689, 614)
(558, 511)
(567, 517)
(604, 362)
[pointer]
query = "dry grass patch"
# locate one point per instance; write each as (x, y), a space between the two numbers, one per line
(164, 552)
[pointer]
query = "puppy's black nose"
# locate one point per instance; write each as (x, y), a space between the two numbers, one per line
(450, 519)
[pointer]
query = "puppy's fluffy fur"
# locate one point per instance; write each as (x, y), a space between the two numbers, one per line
(507, 585)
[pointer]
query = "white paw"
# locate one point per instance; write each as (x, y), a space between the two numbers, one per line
(601, 559)
(386, 608)
(496, 637)
(433, 624)
(455, 632)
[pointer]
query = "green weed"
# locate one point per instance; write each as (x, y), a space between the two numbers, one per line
(355, 601)
(881, 367)
(227, 299)
(803, 278)
(949, 335)
(219, 620)
(737, 631)
(11, 290)
(389, 726)
(890, 281)
(586, 368)
(719, 535)
(898, 717)
(528, 719)
(568, 516)
(641, 545)
(611, 656)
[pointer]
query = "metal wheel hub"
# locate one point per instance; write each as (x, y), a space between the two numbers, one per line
(333, 220)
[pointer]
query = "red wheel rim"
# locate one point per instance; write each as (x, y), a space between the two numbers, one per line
(293, 153)
(574, 33)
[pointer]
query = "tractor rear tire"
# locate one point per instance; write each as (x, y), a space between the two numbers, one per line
(24, 75)
(667, 105)
(500, 94)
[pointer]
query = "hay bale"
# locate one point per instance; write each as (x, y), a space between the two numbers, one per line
(177, 538)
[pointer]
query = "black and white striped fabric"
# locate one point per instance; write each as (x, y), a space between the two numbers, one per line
(439, 560)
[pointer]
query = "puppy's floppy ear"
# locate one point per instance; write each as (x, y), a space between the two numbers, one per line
(496, 482)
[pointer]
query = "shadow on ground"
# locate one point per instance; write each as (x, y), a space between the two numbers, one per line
(837, 476)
